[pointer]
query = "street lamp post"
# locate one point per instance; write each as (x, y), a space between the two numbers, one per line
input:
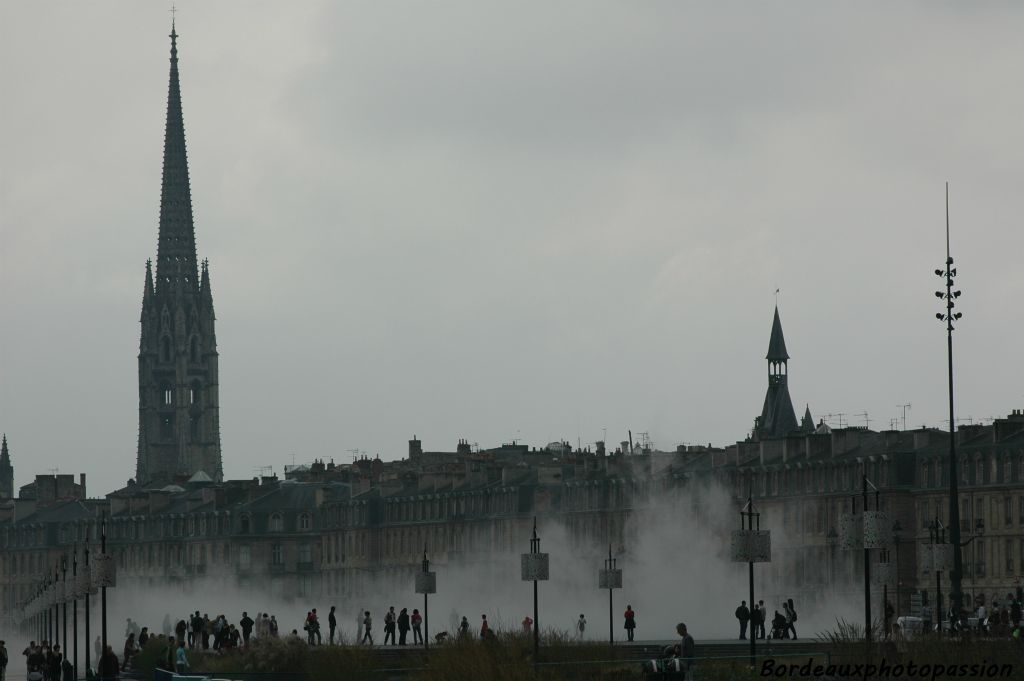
(896, 528)
(64, 603)
(74, 609)
(426, 583)
(55, 590)
(750, 545)
(610, 578)
(956, 576)
(535, 568)
(87, 641)
(103, 589)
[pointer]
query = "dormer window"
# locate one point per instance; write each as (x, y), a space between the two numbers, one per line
(276, 523)
(305, 522)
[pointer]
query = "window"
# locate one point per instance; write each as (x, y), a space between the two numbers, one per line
(194, 393)
(1009, 556)
(244, 557)
(1008, 511)
(277, 555)
(306, 553)
(168, 395)
(165, 349)
(244, 524)
(305, 522)
(1020, 514)
(276, 523)
(980, 567)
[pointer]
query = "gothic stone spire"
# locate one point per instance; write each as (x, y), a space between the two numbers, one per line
(6, 472)
(179, 426)
(176, 250)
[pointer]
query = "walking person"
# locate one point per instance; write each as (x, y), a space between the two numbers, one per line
(129, 650)
(316, 629)
(389, 626)
(417, 622)
(630, 624)
(307, 626)
(790, 617)
(247, 624)
(109, 669)
(181, 660)
(485, 629)
(581, 625)
(332, 622)
(686, 650)
(3, 660)
(464, 627)
(743, 615)
(367, 628)
(403, 626)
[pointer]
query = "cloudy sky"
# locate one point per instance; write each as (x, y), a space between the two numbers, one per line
(510, 220)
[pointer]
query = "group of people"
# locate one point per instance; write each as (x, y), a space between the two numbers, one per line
(201, 632)
(402, 622)
(43, 662)
(783, 624)
(679, 658)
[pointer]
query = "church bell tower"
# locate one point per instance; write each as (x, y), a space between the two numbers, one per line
(179, 422)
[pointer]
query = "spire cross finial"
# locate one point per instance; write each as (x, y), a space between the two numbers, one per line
(173, 10)
(777, 296)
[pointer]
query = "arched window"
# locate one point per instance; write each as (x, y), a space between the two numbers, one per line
(194, 393)
(276, 523)
(305, 522)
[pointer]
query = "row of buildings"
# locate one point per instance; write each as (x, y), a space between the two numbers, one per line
(332, 529)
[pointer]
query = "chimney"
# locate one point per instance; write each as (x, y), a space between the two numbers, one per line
(81, 482)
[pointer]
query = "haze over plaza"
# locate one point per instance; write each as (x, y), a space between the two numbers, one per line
(455, 223)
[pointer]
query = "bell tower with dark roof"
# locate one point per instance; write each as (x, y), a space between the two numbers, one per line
(778, 418)
(6, 472)
(179, 421)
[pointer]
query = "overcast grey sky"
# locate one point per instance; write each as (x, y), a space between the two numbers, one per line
(509, 220)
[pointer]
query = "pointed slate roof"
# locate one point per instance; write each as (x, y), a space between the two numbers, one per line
(5, 456)
(807, 424)
(777, 416)
(176, 251)
(777, 344)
